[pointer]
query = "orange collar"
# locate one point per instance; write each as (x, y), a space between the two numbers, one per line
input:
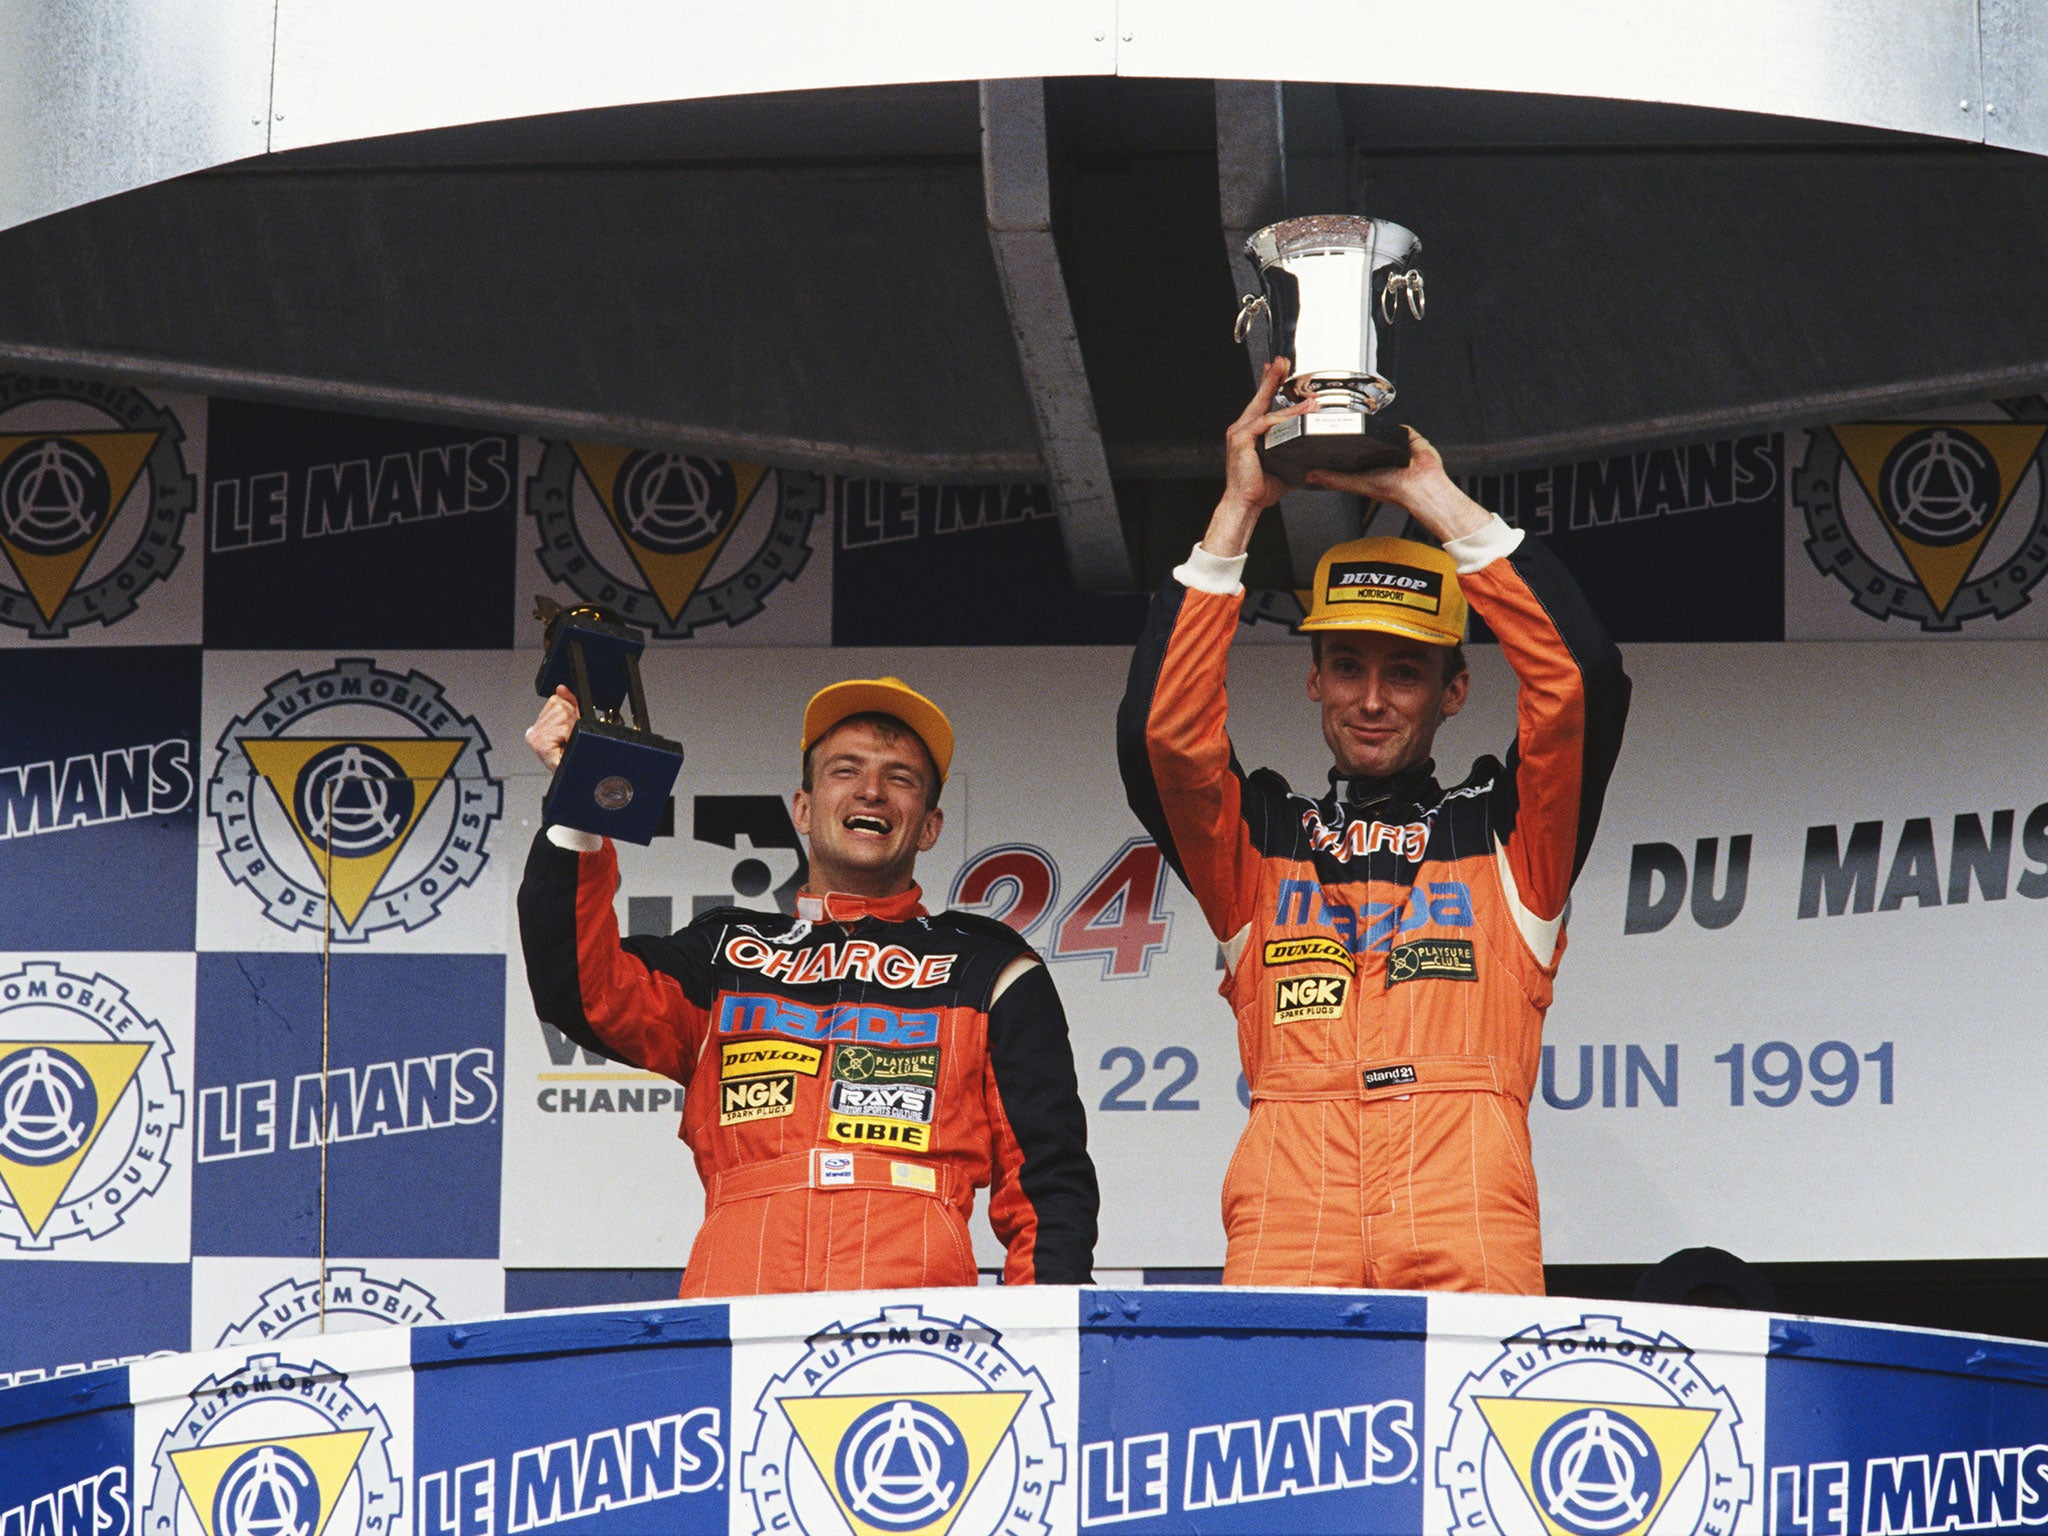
(838, 907)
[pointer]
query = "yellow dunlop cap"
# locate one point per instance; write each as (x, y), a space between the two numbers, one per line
(1396, 585)
(883, 696)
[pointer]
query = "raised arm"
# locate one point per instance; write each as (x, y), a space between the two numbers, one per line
(1173, 747)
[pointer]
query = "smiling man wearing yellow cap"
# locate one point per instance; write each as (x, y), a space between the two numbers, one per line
(855, 1069)
(1390, 944)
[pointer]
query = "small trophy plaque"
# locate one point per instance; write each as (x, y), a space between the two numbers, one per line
(614, 778)
(1335, 286)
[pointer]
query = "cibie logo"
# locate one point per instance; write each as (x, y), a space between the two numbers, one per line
(94, 494)
(274, 1448)
(349, 1298)
(1593, 1430)
(371, 775)
(904, 1424)
(88, 1105)
(1940, 522)
(652, 534)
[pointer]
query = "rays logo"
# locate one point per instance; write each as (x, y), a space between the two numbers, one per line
(273, 1448)
(641, 531)
(1593, 1430)
(94, 494)
(904, 1424)
(1940, 522)
(367, 774)
(88, 1105)
(354, 1299)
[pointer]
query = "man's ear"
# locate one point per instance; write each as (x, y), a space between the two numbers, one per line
(800, 812)
(1455, 692)
(928, 834)
(1315, 682)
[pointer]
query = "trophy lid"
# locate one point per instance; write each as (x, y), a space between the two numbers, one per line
(1384, 240)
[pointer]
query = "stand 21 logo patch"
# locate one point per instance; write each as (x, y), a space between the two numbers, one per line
(355, 798)
(94, 494)
(88, 1105)
(657, 537)
(1940, 522)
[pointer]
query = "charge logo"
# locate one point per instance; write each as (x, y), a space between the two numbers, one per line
(276, 1449)
(1300, 998)
(904, 1424)
(872, 1131)
(87, 1105)
(350, 1298)
(756, 1098)
(1939, 522)
(1593, 1430)
(357, 779)
(94, 494)
(642, 531)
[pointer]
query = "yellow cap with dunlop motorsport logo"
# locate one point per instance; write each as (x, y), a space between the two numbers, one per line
(1396, 585)
(882, 696)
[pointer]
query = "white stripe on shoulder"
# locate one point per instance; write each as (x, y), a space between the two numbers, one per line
(1539, 933)
(1010, 973)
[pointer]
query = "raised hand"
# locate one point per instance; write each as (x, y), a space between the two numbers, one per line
(549, 734)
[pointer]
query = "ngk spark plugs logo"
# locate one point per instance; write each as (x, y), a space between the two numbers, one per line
(88, 1106)
(277, 1447)
(672, 541)
(906, 1423)
(94, 494)
(355, 795)
(1593, 1429)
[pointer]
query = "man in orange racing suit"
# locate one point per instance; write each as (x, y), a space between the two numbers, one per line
(1391, 945)
(854, 1072)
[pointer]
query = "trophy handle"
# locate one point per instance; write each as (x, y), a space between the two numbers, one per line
(1249, 308)
(1397, 284)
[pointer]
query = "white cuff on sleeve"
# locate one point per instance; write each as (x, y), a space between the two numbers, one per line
(1204, 572)
(1476, 551)
(574, 840)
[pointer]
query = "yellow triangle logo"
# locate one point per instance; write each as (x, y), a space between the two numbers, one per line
(373, 791)
(671, 575)
(902, 1464)
(266, 1485)
(59, 492)
(1940, 488)
(55, 1097)
(1608, 1466)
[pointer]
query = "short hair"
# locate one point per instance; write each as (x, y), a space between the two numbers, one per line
(1454, 655)
(891, 730)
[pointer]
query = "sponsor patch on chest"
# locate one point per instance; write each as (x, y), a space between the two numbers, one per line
(756, 1098)
(876, 1131)
(867, 1064)
(1300, 998)
(1298, 951)
(1424, 959)
(892, 1101)
(749, 1059)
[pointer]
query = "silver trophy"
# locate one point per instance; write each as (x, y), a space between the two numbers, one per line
(1336, 287)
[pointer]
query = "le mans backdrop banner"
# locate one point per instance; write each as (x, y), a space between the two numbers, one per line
(1797, 1018)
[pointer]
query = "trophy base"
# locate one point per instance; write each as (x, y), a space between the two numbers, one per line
(1341, 440)
(612, 780)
